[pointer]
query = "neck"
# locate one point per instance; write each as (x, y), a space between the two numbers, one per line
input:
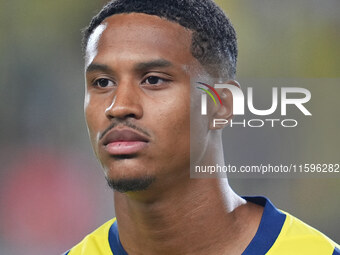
(209, 218)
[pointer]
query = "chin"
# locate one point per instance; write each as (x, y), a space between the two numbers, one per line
(125, 176)
(130, 184)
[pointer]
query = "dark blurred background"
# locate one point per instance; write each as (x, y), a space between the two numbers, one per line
(52, 190)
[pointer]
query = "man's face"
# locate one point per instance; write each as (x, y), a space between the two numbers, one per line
(137, 100)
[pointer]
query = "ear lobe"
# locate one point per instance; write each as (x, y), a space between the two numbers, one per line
(225, 111)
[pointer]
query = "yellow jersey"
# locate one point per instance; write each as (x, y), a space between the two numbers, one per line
(279, 233)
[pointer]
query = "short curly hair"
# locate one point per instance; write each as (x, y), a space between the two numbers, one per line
(214, 42)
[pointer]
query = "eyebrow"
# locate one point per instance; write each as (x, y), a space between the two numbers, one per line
(139, 67)
(97, 67)
(158, 63)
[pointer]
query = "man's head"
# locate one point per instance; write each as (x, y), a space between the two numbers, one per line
(141, 57)
(214, 42)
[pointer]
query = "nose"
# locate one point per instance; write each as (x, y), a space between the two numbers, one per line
(126, 103)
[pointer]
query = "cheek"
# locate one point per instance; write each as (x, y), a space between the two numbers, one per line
(180, 119)
(94, 117)
(179, 115)
(174, 121)
(177, 135)
(87, 108)
(90, 121)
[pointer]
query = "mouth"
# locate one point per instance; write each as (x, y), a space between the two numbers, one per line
(125, 141)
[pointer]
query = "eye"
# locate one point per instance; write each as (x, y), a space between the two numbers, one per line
(154, 80)
(103, 83)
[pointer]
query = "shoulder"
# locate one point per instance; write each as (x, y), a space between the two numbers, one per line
(96, 242)
(296, 237)
(280, 233)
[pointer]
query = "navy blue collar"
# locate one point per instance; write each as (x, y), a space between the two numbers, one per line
(115, 244)
(270, 227)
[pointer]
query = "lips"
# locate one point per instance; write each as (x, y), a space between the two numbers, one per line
(124, 142)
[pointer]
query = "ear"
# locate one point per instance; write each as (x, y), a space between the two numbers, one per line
(224, 112)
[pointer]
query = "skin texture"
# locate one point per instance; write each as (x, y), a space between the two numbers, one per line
(174, 214)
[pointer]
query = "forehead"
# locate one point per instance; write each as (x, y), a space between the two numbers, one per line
(139, 36)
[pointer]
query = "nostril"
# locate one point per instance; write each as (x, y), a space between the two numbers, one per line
(124, 112)
(131, 115)
(124, 106)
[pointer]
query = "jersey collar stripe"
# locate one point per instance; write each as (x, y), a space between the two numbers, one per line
(336, 251)
(269, 229)
(115, 244)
